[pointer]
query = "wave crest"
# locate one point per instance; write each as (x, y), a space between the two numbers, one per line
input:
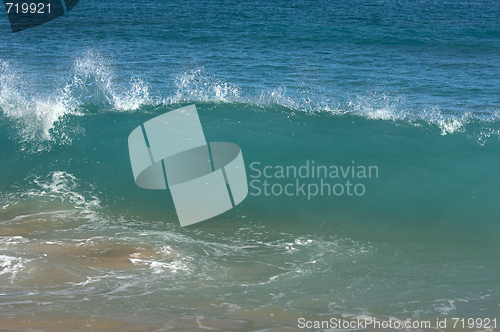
(193, 85)
(93, 85)
(35, 118)
(39, 120)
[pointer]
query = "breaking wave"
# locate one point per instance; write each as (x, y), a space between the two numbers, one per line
(39, 121)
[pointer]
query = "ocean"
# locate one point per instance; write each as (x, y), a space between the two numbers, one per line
(370, 134)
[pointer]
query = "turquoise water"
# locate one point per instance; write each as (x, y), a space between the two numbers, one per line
(408, 90)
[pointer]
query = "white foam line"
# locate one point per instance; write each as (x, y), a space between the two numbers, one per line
(21, 217)
(201, 326)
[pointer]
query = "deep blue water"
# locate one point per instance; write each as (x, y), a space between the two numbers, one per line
(410, 87)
